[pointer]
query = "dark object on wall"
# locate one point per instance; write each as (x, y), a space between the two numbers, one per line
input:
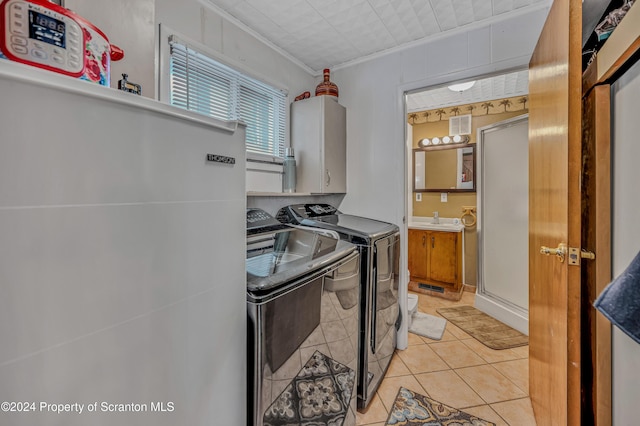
(620, 300)
(127, 86)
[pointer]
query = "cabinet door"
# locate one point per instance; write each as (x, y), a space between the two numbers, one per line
(443, 258)
(319, 135)
(306, 135)
(334, 172)
(417, 254)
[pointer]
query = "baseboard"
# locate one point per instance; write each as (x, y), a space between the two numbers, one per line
(512, 316)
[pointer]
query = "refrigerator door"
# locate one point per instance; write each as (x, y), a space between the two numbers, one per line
(122, 257)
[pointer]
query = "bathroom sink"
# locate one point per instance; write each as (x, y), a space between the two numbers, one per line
(446, 224)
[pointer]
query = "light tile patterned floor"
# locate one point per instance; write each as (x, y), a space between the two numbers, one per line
(458, 371)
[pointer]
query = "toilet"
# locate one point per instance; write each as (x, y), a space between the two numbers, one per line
(412, 307)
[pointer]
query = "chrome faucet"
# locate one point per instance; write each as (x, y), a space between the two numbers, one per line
(436, 218)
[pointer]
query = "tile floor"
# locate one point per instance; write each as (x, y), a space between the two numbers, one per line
(458, 371)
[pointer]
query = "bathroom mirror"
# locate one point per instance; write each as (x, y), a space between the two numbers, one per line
(444, 169)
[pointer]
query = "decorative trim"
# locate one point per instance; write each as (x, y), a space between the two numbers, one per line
(489, 107)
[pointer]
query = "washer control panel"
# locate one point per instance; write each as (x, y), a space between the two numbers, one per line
(320, 209)
(297, 213)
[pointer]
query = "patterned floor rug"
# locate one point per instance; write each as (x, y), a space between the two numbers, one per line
(319, 395)
(413, 409)
(487, 330)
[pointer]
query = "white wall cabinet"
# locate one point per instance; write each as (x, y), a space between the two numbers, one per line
(319, 136)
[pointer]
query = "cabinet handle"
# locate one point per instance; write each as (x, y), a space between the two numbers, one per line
(328, 177)
(424, 240)
(433, 242)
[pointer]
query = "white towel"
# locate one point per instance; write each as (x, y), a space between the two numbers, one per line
(427, 325)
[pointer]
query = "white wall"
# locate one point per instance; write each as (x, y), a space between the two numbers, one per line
(130, 26)
(204, 26)
(373, 91)
(133, 26)
(626, 237)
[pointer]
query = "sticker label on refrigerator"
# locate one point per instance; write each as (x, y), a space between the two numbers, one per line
(215, 158)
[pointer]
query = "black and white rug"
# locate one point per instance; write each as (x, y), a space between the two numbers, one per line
(413, 409)
(319, 395)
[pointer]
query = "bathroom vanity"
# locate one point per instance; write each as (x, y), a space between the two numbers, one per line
(435, 256)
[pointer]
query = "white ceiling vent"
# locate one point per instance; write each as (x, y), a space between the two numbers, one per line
(460, 125)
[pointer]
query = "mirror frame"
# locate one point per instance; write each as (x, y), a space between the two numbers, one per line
(438, 148)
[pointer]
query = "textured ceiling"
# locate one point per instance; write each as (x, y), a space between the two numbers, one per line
(326, 33)
(497, 87)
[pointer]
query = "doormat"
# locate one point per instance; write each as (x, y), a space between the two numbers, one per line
(320, 395)
(487, 330)
(413, 409)
(427, 325)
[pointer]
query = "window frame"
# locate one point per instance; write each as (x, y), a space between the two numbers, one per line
(164, 91)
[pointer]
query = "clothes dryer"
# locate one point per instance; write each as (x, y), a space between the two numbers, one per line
(379, 246)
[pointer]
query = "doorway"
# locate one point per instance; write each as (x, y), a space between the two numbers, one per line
(492, 99)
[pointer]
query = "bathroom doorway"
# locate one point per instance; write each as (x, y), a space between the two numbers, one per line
(489, 100)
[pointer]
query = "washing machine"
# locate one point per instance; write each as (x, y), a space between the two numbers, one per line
(302, 326)
(379, 320)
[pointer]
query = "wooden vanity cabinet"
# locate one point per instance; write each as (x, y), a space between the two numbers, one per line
(435, 257)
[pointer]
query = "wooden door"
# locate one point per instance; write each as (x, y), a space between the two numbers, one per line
(442, 258)
(554, 216)
(418, 254)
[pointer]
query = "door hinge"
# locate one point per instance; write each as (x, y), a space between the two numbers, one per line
(576, 253)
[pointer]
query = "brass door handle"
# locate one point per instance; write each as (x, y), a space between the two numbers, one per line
(560, 251)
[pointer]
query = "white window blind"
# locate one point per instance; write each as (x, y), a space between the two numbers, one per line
(202, 84)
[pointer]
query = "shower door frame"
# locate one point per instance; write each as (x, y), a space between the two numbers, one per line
(493, 304)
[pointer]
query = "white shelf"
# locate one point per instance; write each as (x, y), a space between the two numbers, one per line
(279, 194)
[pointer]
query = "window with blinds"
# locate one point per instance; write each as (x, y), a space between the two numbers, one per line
(204, 85)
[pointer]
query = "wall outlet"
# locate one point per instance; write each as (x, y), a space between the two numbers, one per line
(443, 197)
(418, 196)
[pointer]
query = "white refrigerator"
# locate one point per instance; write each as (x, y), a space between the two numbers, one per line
(122, 247)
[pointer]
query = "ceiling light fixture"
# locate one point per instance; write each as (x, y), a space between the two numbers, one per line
(461, 87)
